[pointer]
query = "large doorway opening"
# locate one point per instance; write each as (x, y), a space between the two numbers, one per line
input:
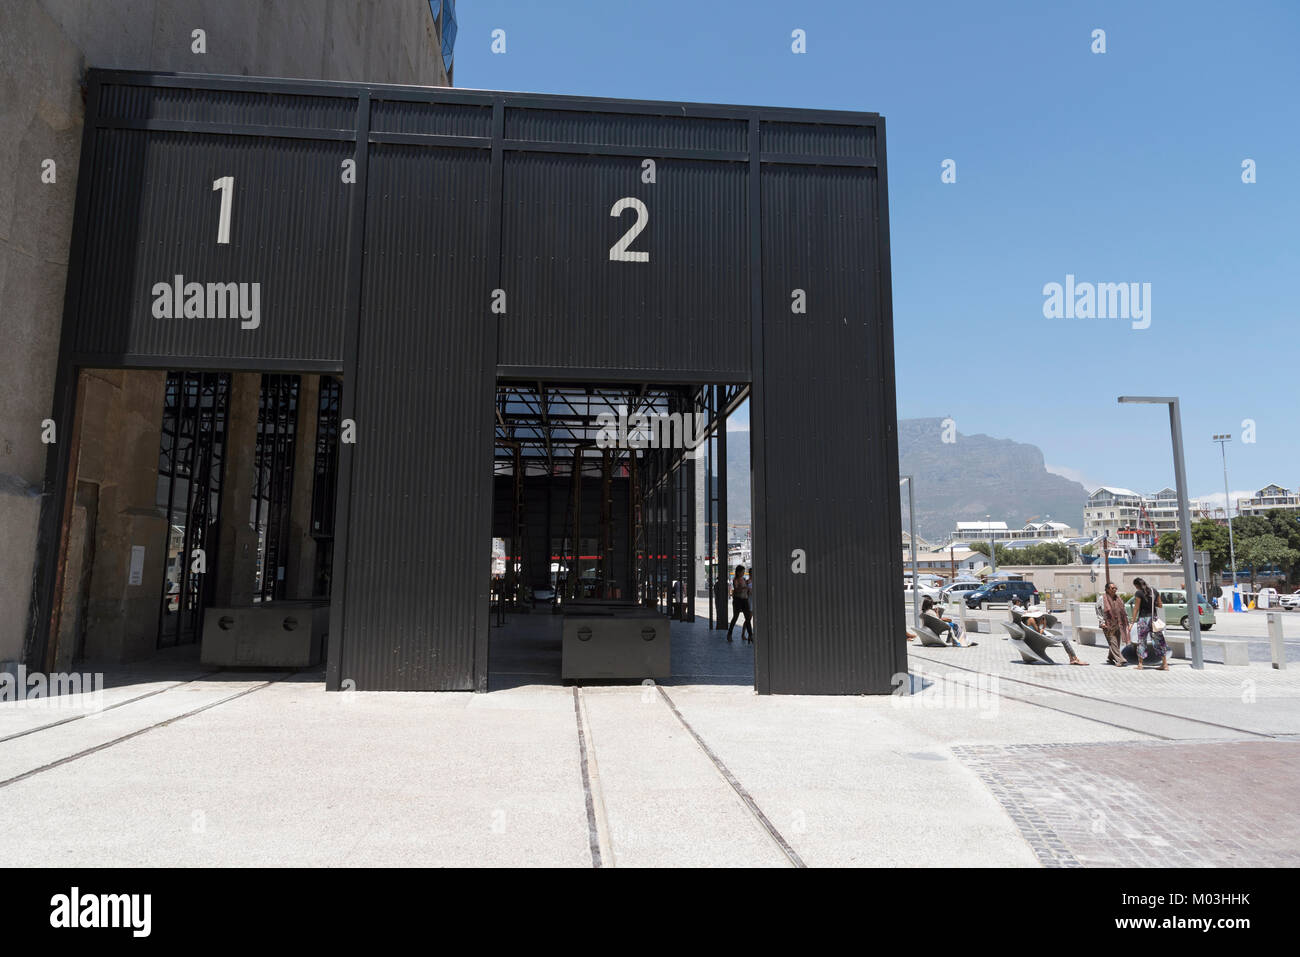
(197, 497)
(611, 500)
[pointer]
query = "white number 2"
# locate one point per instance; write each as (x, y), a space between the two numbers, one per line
(227, 186)
(619, 251)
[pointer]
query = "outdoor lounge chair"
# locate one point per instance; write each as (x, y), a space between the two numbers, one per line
(1031, 645)
(929, 638)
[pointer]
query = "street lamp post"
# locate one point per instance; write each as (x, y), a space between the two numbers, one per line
(911, 535)
(993, 549)
(1184, 516)
(1227, 509)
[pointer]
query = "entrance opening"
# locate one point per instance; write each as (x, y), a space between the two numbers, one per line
(201, 518)
(611, 507)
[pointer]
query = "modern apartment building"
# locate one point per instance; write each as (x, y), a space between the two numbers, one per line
(1267, 498)
(1129, 517)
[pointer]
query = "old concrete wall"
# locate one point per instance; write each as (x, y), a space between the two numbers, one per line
(1073, 581)
(122, 418)
(45, 47)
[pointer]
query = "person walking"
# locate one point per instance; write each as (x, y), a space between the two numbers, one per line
(1114, 623)
(1148, 629)
(740, 590)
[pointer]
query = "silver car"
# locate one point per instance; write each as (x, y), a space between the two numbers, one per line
(958, 590)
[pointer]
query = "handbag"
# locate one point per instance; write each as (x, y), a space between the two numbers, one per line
(1157, 623)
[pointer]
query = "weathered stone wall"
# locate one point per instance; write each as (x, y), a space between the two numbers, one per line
(45, 48)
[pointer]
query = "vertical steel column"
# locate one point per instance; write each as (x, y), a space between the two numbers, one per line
(761, 567)
(348, 395)
(689, 515)
(575, 547)
(486, 405)
(1185, 531)
(724, 572)
(710, 554)
(606, 527)
(515, 560)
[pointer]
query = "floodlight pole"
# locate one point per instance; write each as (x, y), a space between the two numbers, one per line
(911, 535)
(1184, 518)
(1227, 508)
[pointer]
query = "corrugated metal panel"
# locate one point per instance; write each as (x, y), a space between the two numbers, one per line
(570, 306)
(446, 119)
(652, 131)
(818, 139)
(414, 595)
(154, 215)
(423, 456)
(831, 477)
(235, 107)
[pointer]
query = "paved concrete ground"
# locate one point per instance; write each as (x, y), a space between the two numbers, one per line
(990, 762)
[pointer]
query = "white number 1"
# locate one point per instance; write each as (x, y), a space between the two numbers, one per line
(227, 186)
(619, 251)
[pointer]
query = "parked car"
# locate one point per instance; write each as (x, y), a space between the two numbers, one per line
(925, 588)
(1175, 608)
(1290, 602)
(958, 590)
(1002, 593)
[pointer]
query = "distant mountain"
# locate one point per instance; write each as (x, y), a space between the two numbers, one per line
(965, 480)
(979, 475)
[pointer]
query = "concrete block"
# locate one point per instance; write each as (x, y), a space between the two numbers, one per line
(633, 645)
(282, 634)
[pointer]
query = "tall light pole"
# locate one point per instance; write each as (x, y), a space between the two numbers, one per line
(1184, 516)
(1223, 440)
(993, 549)
(911, 535)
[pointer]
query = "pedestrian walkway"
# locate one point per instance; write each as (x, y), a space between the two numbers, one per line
(990, 763)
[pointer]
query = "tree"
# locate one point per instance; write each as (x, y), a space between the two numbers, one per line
(1089, 550)
(1286, 526)
(1262, 551)
(1207, 536)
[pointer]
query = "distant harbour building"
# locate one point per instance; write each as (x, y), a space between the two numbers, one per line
(1129, 517)
(1032, 533)
(959, 563)
(1268, 498)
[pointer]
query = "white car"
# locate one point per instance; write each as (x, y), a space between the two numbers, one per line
(958, 590)
(1290, 602)
(924, 589)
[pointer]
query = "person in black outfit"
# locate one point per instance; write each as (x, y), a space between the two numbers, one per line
(740, 590)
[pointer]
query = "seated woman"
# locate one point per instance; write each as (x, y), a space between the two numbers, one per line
(1035, 617)
(938, 622)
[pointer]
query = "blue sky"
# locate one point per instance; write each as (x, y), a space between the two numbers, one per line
(1115, 167)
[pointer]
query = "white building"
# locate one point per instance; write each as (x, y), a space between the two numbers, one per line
(1128, 517)
(967, 532)
(1269, 497)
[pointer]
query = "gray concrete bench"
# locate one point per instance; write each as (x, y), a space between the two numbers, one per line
(1180, 646)
(1089, 635)
(1085, 634)
(1234, 652)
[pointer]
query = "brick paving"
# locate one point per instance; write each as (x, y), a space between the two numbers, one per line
(1223, 804)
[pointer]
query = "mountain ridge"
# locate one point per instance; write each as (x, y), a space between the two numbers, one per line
(962, 480)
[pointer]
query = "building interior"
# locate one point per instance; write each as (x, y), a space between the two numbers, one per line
(202, 495)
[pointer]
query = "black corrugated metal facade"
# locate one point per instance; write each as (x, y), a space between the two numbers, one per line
(462, 200)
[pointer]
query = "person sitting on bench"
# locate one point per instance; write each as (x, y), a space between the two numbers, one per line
(1035, 617)
(938, 622)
